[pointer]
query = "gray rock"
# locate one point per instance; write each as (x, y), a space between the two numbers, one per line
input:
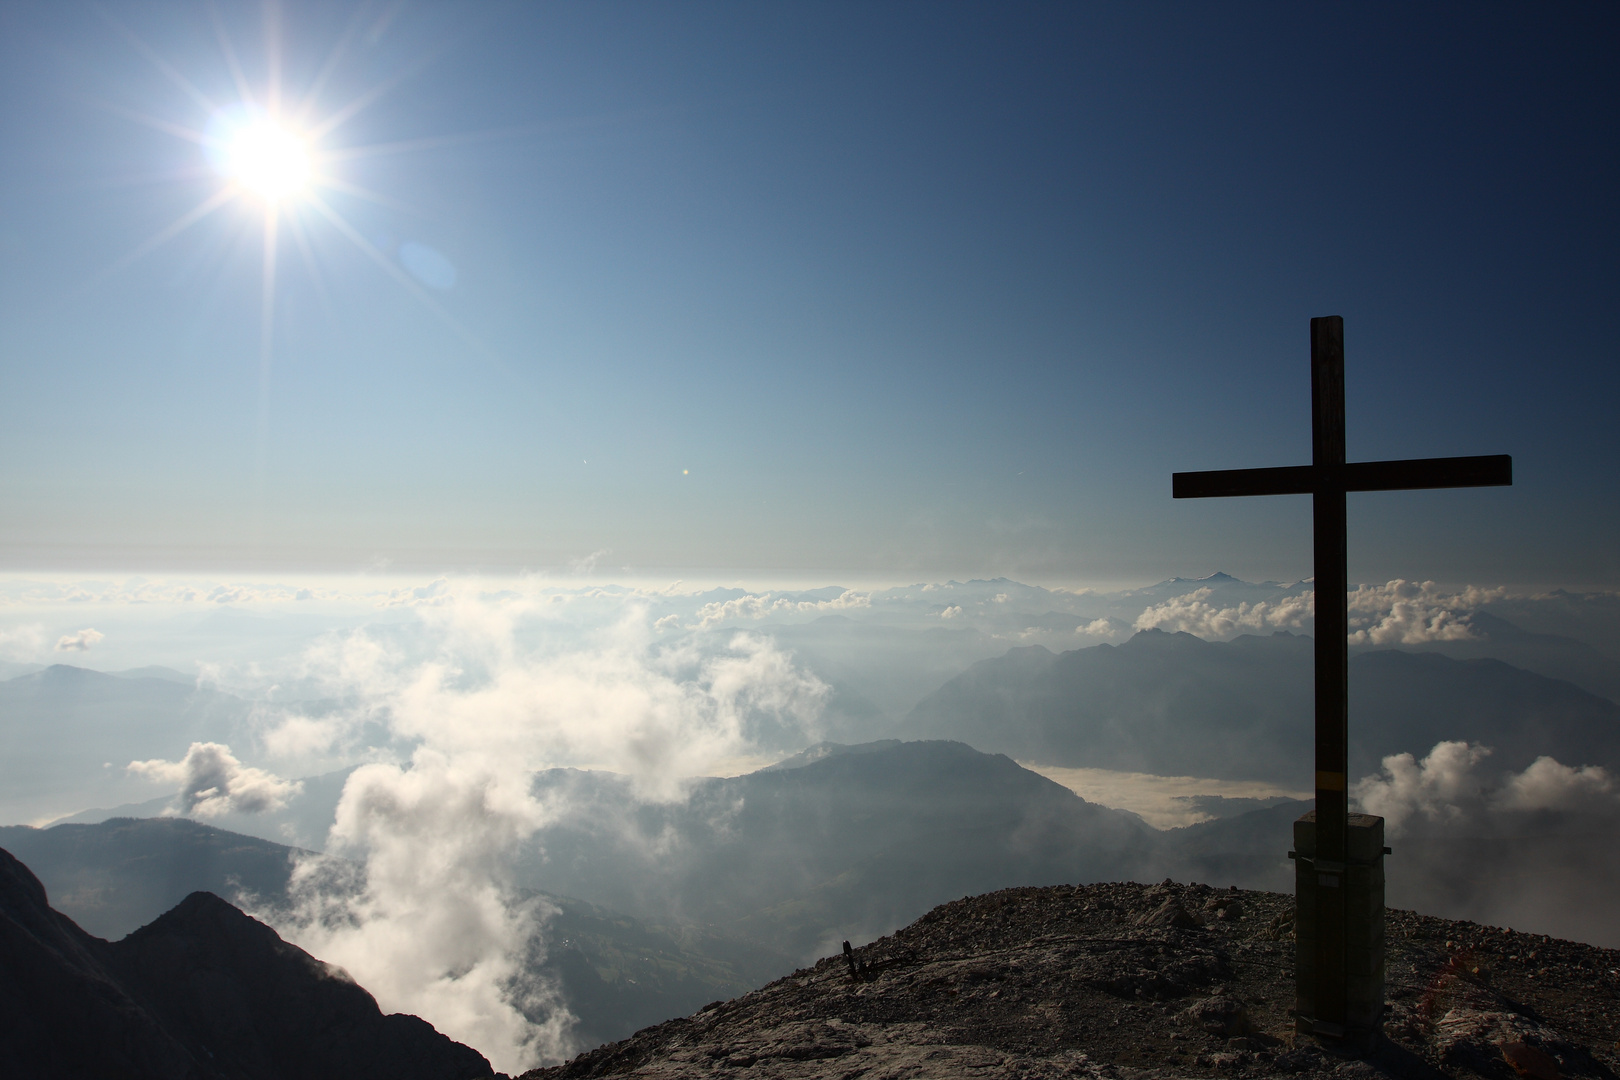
(1224, 1016)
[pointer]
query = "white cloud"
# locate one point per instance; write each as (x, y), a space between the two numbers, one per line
(1447, 788)
(1412, 613)
(1194, 614)
(1443, 786)
(430, 924)
(296, 736)
(213, 782)
(952, 612)
(1096, 628)
(80, 642)
(1549, 785)
(1397, 613)
(427, 922)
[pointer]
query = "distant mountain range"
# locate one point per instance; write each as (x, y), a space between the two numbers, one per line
(1557, 656)
(68, 732)
(1175, 704)
(201, 993)
(666, 907)
(850, 841)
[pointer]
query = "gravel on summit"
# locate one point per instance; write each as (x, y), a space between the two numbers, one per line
(1132, 982)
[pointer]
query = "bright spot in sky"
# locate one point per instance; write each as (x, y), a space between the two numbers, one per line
(268, 160)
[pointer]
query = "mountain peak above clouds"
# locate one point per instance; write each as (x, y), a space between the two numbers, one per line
(1222, 586)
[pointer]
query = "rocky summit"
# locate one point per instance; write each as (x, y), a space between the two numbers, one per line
(1131, 982)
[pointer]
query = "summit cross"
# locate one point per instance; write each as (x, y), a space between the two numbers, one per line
(1339, 891)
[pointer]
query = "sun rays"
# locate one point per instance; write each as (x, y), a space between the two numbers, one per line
(270, 159)
(273, 162)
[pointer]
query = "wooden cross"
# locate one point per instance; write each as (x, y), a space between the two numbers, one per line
(1326, 480)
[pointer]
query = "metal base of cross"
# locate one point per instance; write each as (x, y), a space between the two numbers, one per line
(1339, 977)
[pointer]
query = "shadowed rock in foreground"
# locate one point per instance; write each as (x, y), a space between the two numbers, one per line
(203, 992)
(1135, 982)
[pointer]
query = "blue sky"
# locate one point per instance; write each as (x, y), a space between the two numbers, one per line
(902, 290)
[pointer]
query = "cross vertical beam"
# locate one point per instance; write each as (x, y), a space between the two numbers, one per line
(1339, 877)
(1328, 526)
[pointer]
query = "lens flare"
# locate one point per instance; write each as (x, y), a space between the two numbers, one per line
(268, 160)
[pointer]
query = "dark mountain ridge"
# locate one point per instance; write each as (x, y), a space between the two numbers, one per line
(204, 992)
(618, 973)
(115, 876)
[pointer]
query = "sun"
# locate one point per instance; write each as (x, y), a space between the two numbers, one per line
(268, 160)
(274, 156)
(278, 158)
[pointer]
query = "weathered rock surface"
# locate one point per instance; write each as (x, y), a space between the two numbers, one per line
(204, 992)
(1132, 982)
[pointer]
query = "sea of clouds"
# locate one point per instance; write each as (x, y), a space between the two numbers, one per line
(451, 694)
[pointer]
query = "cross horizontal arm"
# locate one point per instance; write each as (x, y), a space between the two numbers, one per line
(1490, 470)
(1493, 470)
(1288, 480)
